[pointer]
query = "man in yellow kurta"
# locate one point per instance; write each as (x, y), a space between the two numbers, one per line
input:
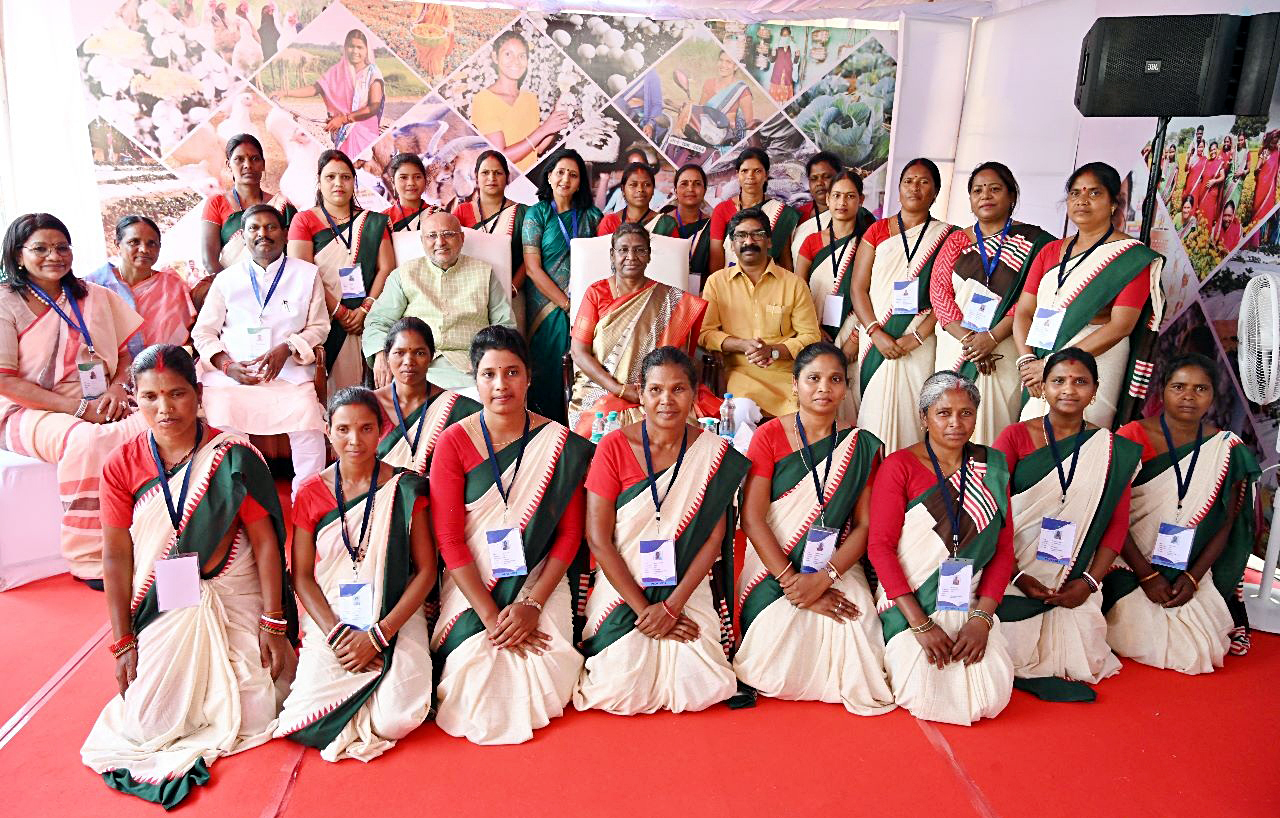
(456, 295)
(759, 315)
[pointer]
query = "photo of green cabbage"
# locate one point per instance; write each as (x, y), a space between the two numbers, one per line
(848, 112)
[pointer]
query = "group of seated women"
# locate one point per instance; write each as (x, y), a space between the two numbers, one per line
(950, 551)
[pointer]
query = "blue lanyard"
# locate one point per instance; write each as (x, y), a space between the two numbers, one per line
(1064, 478)
(1184, 483)
(78, 325)
(404, 427)
(504, 491)
(355, 553)
(235, 193)
(257, 293)
(351, 227)
(653, 478)
(693, 239)
(955, 506)
(560, 223)
(989, 265)
(812, 465)
(175, 514)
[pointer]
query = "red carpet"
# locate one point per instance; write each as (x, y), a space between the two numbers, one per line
(1154, 744)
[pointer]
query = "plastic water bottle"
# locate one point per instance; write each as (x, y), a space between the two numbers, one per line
(597, 427)
(612, 423)
(726, 416)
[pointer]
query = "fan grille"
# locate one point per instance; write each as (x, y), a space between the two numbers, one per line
(1259, 332)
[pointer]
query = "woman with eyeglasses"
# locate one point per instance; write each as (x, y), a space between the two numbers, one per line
(1191, 530)
(890, 297)
(64, 371)
(752, 166)
(976, 282)
(563, 213)
(161, 297)
(222, 221)
(352, 247)
(1098, 291)
(622, 318)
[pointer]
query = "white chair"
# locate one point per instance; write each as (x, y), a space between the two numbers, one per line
(589, 262)
(31, 537)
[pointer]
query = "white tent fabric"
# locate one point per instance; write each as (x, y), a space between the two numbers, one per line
(756, 10)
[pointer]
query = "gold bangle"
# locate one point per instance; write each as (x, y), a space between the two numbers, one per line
(924, 627)
(1194, 581)
(784, 572)
(1152, 575)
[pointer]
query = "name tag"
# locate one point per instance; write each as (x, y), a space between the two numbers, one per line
(695, 284)
(819, 545)
(1044, 328)
(257, 341)
(1173, 546)
(979, 313)
(955, 584)
(93, 378)
(833, 311)
(352, 282)
(906, 297)
(178, 582)
(355, 604)
(657, 563)
(1057, 541)
(506, 552)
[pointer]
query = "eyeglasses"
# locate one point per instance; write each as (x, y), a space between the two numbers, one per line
(638, 252)
(447, 235)
(44, 250)
(1093, 193)
(743, 235)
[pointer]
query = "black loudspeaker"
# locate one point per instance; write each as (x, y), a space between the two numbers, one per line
(1178, 65)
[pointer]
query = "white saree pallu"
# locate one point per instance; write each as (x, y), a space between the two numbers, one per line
(324, 692)
(638, 674)
(1066, 642)
(791, 653)
(395, 450)
(1001, 389)
(201, 691)
(888, 395)
(1191, 638)
(492, 696)
(954, 693)
(825, 280)
(348, 367)
(1111, 372)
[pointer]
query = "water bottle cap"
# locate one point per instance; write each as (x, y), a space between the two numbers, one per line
(728, 396)
(612, 415)
(599, 414)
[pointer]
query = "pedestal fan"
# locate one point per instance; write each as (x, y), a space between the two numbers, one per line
(1259, 361)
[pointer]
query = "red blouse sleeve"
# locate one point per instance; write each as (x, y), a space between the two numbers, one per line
(584, 326)
(764, 451)
(1136, 292)
(942, 291)
(888, 510)
(251, 511)
(571, 528)
(1048, 256)
(1134, 431)
(216, 209)
(1014, 442)
(720, 219)
(304, 226)
(312, 502)
(115, 493)
(877, 232)
(609, 224)
(604, 477)
(448, 499)
(811, 245)
(996, 576)
(1118, 527)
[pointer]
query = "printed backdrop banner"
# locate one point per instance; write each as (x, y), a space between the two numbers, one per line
(169, 82)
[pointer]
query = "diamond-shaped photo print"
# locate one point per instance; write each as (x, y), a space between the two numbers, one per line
(523, 94)
(613, 50)
(341, 82)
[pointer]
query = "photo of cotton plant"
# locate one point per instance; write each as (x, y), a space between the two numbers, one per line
(849, 111)
(524, 95)
(151, 78)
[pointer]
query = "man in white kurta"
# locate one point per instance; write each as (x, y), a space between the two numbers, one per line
(256, 335)
(457, 295)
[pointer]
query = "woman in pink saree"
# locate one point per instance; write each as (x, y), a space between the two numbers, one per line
(354, 95)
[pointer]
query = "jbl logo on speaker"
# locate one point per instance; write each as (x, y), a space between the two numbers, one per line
(1152, 67)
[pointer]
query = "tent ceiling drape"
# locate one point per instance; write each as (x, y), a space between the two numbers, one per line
(756, 10)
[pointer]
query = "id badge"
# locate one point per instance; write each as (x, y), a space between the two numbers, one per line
(955, 584)
(506, 552)
(178, 582)
(819, 546)
(695, 284)
(833, 311)
(93, 378)
(906, 297)
(1057, 541)
(1044, 328)
(352, 282)
(259, 341)
(355, 604)
(1173, 546)
(657, 563)
(979, 312)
